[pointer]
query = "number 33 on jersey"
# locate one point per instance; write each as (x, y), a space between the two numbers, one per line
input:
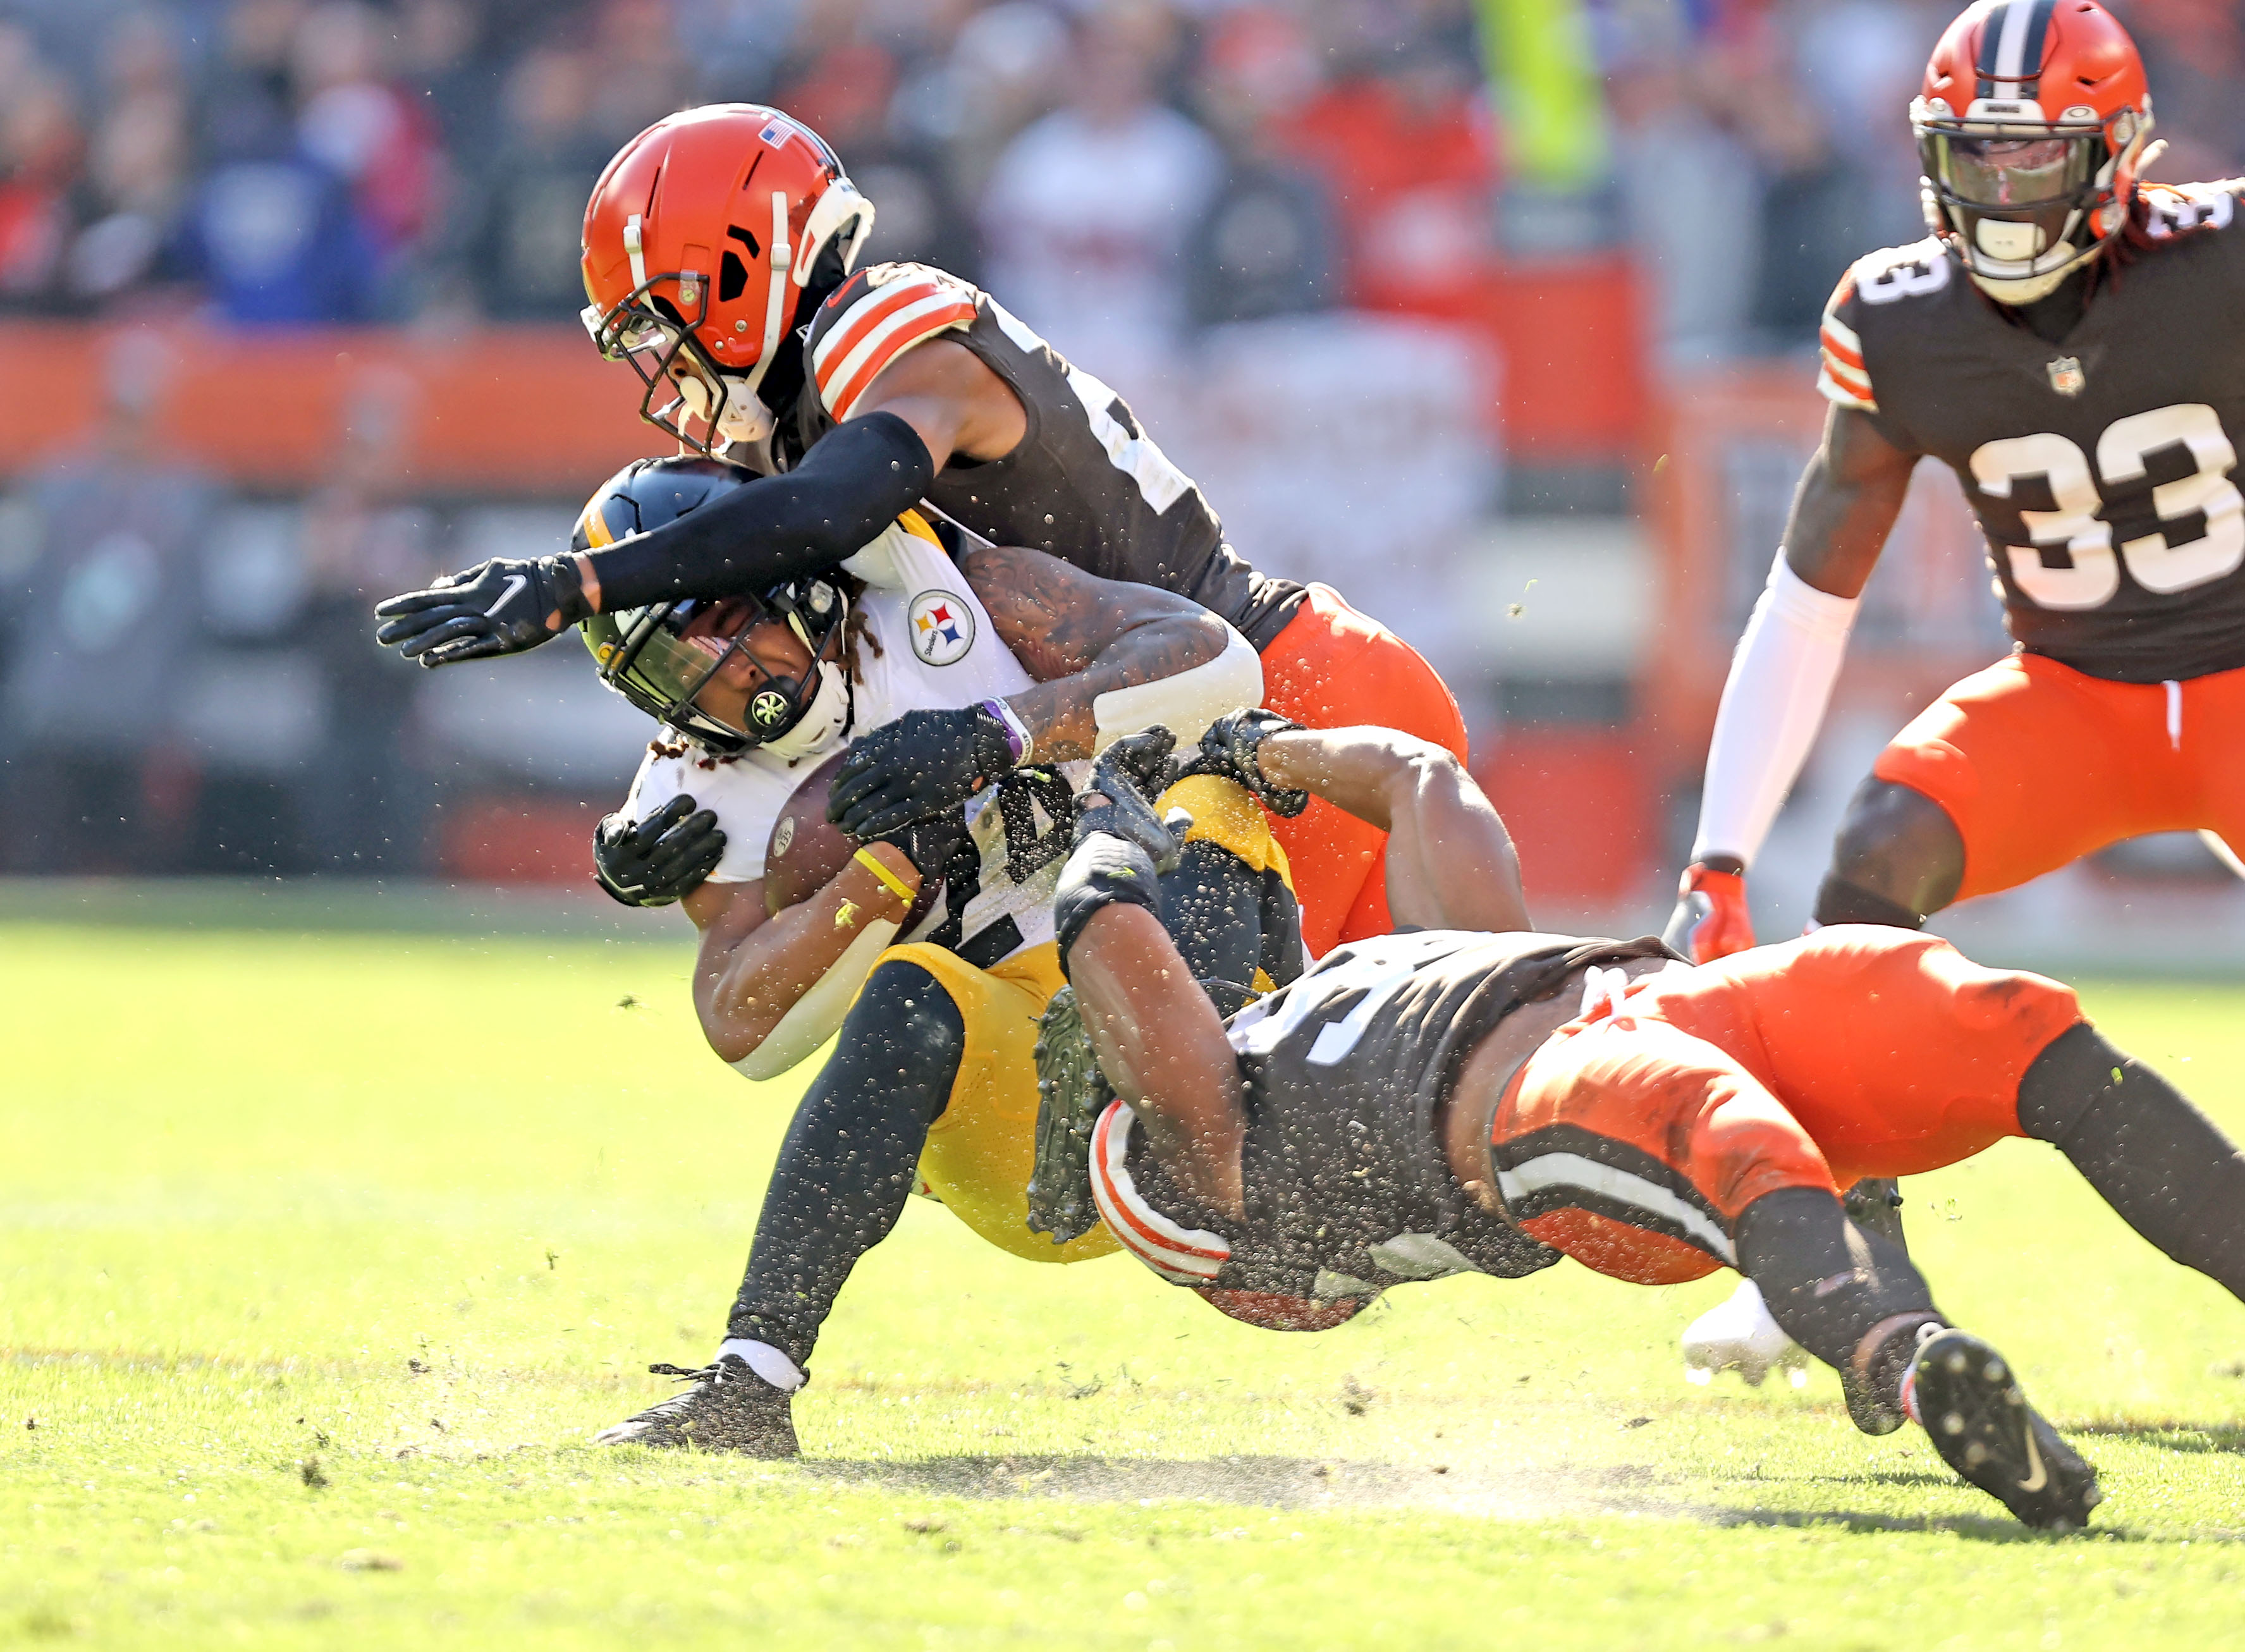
(2101, 468)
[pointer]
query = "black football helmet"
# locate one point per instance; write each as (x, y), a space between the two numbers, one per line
(645, 654)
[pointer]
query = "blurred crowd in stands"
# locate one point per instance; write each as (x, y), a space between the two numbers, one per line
(1137, 164)
(186, 682)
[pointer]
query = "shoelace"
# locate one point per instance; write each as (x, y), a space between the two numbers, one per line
(708, 1373)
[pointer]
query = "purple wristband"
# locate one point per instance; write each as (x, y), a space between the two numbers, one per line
(1017, 737)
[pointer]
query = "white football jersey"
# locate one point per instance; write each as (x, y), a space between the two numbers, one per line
(937, 651)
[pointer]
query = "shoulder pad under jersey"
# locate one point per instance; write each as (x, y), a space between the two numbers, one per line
(1876, 279)
(874, 317)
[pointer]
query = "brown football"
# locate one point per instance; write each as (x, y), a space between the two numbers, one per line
(807, 851)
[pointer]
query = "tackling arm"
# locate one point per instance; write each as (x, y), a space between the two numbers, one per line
(1161, 1046)
(1450, 862)
(1087, 640)
(936, 400)
(1158, 1038)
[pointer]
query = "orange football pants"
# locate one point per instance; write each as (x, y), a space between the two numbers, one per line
(1633, 1139)
(1332, 668)
(2039, 764)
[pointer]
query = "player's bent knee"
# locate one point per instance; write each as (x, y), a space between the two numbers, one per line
(1897, 857)
(906, 1016)
(1226, 814)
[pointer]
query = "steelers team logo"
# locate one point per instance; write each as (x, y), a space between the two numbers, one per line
(942, 628)
(768, 708)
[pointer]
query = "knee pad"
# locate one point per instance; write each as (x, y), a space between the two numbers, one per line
(1230, 903)
(904, 1029)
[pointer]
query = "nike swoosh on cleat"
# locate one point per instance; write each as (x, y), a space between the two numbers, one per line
(514, 583)
(2040, 1478)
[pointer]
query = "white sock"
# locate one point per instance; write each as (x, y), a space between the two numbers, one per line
(766, 1361)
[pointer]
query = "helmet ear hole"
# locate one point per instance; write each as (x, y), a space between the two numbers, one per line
(732, 278)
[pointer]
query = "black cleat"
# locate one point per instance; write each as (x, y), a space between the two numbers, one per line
(1981, 1423)
(1071, 1095)
(1875, 1205)
(730, 1408)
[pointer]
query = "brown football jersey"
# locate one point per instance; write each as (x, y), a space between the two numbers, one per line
(1086, 484)
(2101, 469)
(1349, 1068)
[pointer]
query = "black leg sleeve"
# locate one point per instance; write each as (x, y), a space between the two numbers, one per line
(1841, 1293)
(2157, 1159)
(848, 1163)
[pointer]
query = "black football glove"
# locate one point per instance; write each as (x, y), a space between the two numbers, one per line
(1131, 774)
(919, 766)
(661, 858)
(940, 847)
(1228, 750)
(503, 607)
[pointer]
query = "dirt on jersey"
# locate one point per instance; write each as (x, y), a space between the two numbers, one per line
(2101, 468)
(1348, 1068)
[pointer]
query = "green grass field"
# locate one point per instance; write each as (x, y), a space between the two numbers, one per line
(323, 1255)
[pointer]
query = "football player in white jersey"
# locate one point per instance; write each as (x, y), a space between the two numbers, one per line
(1020, 661)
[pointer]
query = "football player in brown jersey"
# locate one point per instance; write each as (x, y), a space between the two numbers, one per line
(1468, 1096)
(2071, 342)
(718, 255)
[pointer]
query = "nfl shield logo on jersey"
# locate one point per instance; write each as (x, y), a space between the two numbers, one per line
(942, 627)
(2065, 376)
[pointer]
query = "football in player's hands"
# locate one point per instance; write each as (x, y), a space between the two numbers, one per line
(659, 860)
(1710, 919)
(807, 851)
(503, 607)
(919, 766)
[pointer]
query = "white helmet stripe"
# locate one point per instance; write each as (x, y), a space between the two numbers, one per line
(776, 296)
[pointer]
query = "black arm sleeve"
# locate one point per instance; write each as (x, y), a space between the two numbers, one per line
(852, 484)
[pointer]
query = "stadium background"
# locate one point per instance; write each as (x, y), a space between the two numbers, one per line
(1497, 313)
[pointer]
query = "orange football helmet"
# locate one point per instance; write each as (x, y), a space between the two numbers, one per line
(2032, 126)
(701, 239)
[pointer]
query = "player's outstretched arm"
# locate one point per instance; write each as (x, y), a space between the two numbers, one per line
(753, 967)
(1450, 862)
(850, 487)
(1783, 673)
(1161, 1046)
(1109, 658)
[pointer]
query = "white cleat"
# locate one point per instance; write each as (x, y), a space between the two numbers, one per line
(1739, 1334)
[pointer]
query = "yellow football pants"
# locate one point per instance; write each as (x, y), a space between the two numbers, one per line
(980, 1153)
